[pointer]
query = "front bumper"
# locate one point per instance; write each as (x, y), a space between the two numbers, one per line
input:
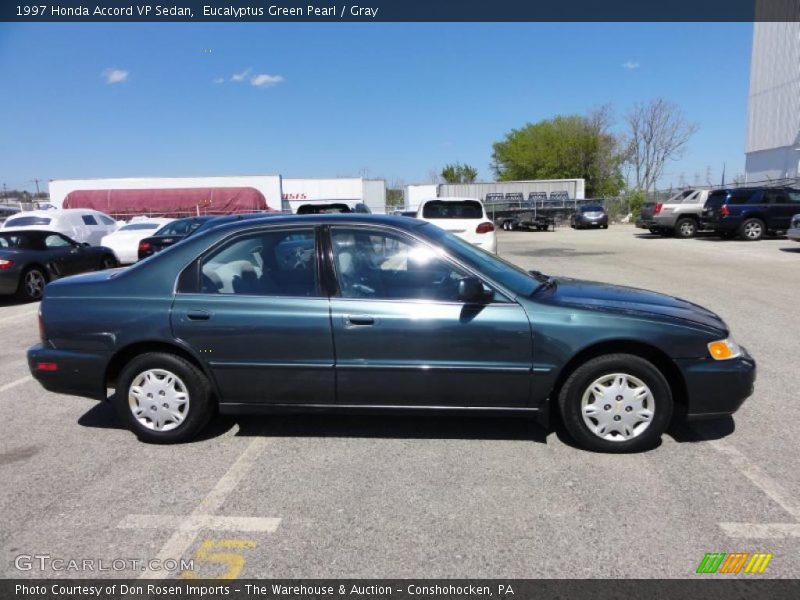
(78, 373)
(717, 388)
(794, 234)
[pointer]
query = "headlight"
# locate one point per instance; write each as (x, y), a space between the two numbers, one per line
(724, 349)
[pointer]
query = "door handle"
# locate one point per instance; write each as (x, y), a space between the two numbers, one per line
(359, 320)
(198, 315)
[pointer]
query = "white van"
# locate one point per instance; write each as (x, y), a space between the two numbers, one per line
(81, 224)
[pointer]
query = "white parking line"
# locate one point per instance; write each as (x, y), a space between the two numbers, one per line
(194, 522)
(185, 530)
(763, 481)
(15, 383)
(761, 530)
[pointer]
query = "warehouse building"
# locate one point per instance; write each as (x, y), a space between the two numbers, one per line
(773, 110)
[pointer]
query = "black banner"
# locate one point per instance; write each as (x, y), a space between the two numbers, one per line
(400, 589)
(399, 10)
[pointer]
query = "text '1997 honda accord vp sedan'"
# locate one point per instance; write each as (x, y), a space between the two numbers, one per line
(367, 313)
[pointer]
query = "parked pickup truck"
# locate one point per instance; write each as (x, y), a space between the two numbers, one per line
(646, 218)
(680, 217)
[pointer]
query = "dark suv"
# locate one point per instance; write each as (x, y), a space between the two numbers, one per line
(750, 213)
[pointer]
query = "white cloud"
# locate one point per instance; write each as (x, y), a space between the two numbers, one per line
(237, 77)
(630, 65)
(219, 80)
(115, 75)
(264, 80)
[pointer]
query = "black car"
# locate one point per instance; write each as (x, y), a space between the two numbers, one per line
(750, 213)
(332, 208)
(589, 216)
(31, 258)
(375, 313)
(170, 234)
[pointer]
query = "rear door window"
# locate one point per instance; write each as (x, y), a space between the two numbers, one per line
(27, 221)
(462, 209)
(745, 197)
(89, 220)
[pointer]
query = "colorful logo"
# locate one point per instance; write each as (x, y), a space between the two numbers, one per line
(736, 562)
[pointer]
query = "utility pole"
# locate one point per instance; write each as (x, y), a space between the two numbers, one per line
(36, 181)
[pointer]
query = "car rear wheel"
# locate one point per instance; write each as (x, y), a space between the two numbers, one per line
(163, 398)
(109, 263)
(616, 403)
(31, 284)
(752, 230)
(686, 228)
(655, 231)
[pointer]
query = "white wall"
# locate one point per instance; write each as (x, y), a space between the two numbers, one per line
(414, 194)
(268, 185)
(349, 190)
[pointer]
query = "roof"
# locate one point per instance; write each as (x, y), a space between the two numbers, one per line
(339, 219)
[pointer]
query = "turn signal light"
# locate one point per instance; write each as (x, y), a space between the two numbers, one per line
(724, 349)
(484, 228)
(6, 264)
(46, 366)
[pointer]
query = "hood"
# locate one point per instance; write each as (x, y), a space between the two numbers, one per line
(619, 299)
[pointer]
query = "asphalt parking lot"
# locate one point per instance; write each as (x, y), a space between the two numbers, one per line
(318, 496)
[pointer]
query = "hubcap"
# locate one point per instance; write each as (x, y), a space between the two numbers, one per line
(34, 284)
(687, 228)
(158, 400)
(617, 407)
(752, 229)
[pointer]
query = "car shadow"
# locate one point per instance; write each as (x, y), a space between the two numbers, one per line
(103, 416)
(791, 250)
(683, 431)
(14, 301)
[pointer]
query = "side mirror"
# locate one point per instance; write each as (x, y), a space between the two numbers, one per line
(471, 290)
(85, 244)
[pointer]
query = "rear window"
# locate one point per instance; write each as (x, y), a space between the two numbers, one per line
(14, 241)
(27, 221)
(183, 227)
(138, 226)
(461, 209)
(88, 220)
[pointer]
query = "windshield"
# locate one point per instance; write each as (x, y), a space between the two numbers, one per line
(449, 209)
(138, 226)
(519, 281)
(592, 208)
(182, 227)
(26, 221)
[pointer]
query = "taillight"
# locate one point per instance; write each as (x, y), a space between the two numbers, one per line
(46, 366)
(6, 264)
(658, 207)
(724, 211)
(144, 246)
(484, 228)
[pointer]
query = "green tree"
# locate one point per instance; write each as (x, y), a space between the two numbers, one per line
(564, 147)
(458, 173)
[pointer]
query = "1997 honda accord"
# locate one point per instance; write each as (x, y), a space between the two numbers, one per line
(363, 312)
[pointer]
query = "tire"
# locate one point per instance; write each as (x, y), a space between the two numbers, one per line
(31, 284)
(613, 432)
(109, 262)
(685, 228)
(189, 383)
(752, 230)
(655, 231)
(605, 226)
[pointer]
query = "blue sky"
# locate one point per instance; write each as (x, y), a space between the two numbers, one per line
(323, 100)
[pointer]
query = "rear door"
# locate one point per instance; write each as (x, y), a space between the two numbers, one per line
(253, 309)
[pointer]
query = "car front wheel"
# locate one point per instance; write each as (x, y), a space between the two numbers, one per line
(616, 403)
(163, 398)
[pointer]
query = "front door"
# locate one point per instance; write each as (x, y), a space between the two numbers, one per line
(403, 338)
(258, 319)
(68, 257)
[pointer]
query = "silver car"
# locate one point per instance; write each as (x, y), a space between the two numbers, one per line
(680, 214)
(793, 232)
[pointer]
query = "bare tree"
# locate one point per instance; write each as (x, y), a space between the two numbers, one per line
(658, 132)
(433, 176)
